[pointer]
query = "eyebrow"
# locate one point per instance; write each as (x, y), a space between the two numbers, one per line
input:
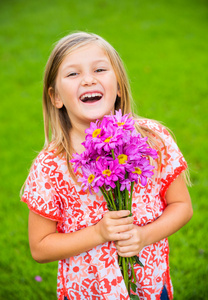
(94, 62)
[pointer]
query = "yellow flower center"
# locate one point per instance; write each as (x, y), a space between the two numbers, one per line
(107, 172)
(96, 132)
(120, 123)
(91, 178)
(122, 158)
(137, 171)
(108, 139)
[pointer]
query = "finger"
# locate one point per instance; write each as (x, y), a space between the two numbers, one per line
(118, 214)
(127, 254)
(124, 243)
(118, 218)
(121, 224)
(124, 228)
(128, 249)
(122, 236)
(124, 222)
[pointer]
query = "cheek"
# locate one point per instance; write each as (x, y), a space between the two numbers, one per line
(113, 85)
(116, 87)
(66, 93)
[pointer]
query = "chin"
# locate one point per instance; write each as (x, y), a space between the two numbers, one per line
(97, 116)
(98, 113)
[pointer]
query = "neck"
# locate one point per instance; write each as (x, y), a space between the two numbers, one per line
(77, 137)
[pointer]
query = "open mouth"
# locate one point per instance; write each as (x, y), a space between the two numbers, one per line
(91, 97)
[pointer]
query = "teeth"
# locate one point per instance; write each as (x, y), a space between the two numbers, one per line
(90, 95)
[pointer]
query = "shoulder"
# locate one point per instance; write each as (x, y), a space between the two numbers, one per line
(160, 136)
(48, 161)
(153, 126)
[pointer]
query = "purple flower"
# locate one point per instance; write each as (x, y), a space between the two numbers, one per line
(38, 278)
(109, 172)
(125, 184)
(80, 160)
(120, 121)
(142, 145)
(141, 170)
(127, 154)
(92, 134)
(114, 151)
(116, 156)
(89, 179)
(110, 138)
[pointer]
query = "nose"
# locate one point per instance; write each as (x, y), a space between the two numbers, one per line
(88, 79)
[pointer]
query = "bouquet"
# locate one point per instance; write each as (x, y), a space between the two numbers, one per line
(116, 157)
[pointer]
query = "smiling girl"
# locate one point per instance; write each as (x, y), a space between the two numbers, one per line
(85, 80)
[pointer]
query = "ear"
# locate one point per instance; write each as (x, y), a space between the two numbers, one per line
(119, 91)
(55, 99)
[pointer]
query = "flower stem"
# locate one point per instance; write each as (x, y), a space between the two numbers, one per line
(118, 187)
(119, 195)
(130, 199)
(132, 269)
(113, 154)
(112, 200)
(107, 198)
(125, 273)
(126, 198)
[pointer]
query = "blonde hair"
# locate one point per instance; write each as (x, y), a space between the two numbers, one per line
(56, 121)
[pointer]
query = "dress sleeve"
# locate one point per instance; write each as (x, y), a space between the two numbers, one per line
(172, 161)
(40, 193)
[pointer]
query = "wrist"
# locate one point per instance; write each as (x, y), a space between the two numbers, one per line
(141, 237)
(97, 234)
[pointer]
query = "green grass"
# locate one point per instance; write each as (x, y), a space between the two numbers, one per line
(164, 45)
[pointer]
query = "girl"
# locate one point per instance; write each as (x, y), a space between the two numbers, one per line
(85, 80)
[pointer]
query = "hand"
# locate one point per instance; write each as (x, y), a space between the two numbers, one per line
(115, 226)
(133, 245)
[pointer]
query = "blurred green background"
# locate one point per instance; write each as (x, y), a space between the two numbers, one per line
(164, 45)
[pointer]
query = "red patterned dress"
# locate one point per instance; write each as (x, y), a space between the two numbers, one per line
(95, 274)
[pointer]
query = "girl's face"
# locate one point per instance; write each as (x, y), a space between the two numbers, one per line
(86, 85)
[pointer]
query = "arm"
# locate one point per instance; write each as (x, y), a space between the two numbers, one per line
(177, 213)
(47, 245)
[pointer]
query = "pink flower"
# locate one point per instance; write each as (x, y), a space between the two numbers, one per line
(125, 184)
(38, 278)
(109, 172)
(93, 134)
(114, 151)
(120, 121)
(79, 160)
(141, 170)
(110, 138)
(116, 156)
(127, 154)
(89, 179)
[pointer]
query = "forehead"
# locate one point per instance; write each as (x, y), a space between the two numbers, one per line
(89, 53)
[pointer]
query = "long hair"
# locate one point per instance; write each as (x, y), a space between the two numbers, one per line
(57, 123)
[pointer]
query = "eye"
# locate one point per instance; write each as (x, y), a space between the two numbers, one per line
(100, 70)
(72, 74)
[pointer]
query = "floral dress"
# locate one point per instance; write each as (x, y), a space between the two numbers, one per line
(95, 274)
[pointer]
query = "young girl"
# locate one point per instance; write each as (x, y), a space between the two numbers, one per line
(85, 80)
